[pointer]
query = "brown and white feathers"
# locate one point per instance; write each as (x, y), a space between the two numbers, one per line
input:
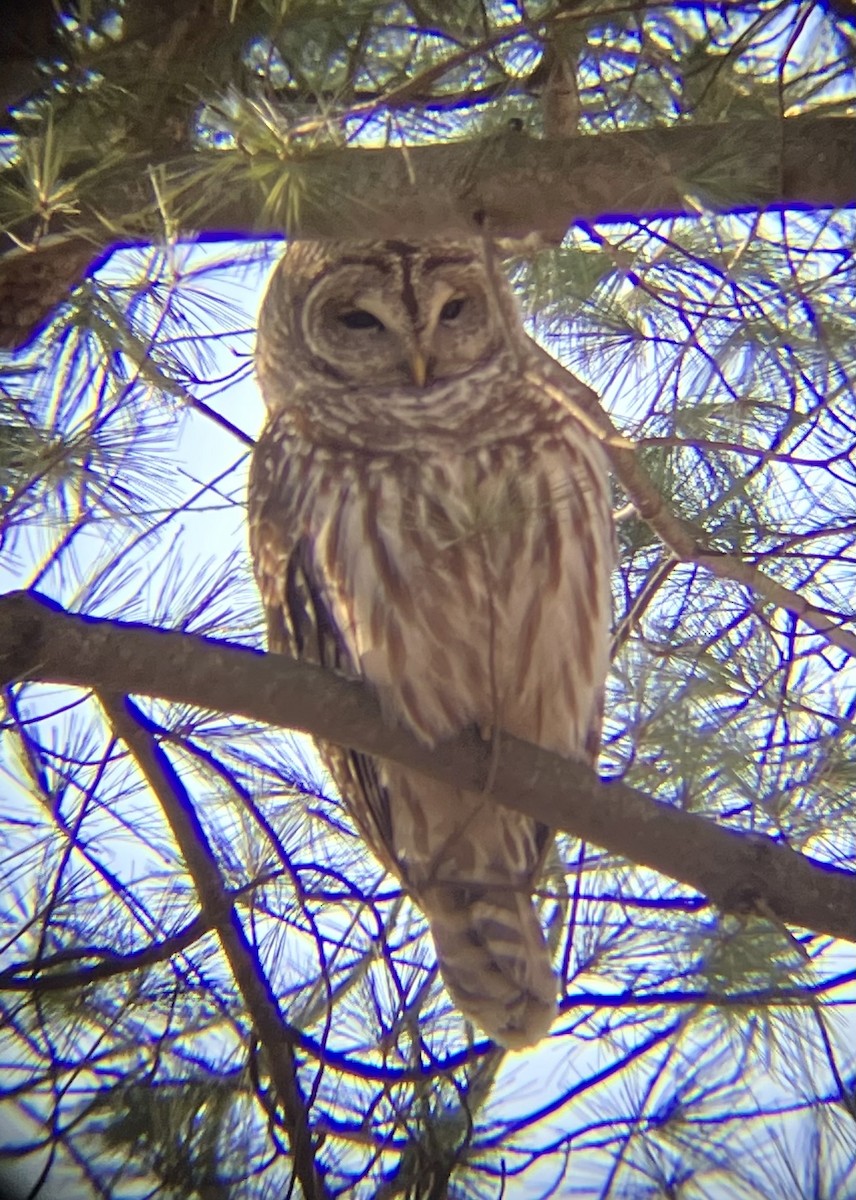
(425, 517)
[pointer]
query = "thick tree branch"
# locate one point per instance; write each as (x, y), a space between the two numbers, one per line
(510, 185)
(738, 871)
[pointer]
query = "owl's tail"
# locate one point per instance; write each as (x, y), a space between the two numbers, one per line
(494, 960)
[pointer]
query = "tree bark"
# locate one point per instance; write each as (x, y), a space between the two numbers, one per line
(511, 185)
(738, 871)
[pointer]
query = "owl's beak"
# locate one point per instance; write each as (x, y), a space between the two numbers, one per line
(418, 366)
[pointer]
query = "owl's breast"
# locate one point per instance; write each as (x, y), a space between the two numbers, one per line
(475, 589)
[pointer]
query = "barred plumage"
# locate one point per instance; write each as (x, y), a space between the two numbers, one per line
(423, 516)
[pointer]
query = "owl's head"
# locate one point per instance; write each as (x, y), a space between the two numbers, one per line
(379, 315)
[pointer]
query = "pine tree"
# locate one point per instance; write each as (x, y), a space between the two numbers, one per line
(207, 987)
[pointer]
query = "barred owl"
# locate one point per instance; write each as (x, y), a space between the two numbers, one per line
(424, 516)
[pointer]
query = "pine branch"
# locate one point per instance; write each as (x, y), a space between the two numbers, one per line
(511, 185)
(40, 975)
(687, 542)
(139, 734)
(739, 872)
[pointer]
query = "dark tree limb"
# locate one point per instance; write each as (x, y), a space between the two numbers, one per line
(738, 871)
(140, 736)
(40, 975)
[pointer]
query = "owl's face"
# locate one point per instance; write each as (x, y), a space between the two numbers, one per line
(386, 315)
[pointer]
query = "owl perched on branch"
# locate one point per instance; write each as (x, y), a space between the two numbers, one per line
(425, 516)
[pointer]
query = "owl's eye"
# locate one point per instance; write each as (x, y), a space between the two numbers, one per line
(452, 309)
(358, 318)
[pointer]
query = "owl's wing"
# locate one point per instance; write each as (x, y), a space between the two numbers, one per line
(583, 403)
(300, 621)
